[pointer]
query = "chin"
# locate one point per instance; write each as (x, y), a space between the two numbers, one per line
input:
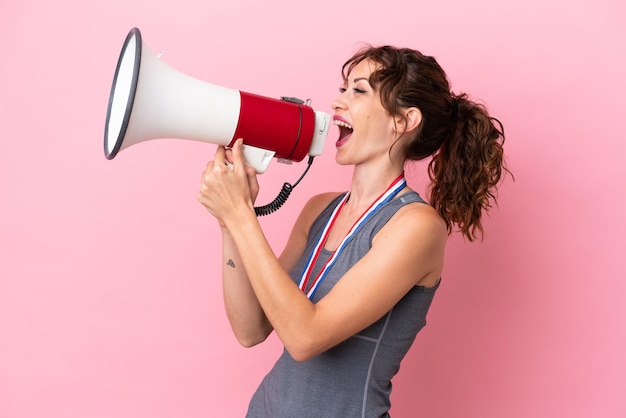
(342, 158)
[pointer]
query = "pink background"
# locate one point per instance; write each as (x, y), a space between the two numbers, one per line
(110, 302)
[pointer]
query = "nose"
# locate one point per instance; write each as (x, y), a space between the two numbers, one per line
(338, 103)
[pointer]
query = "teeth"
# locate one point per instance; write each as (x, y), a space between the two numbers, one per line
(342, 124)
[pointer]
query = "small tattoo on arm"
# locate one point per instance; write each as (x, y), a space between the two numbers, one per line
(230, 263)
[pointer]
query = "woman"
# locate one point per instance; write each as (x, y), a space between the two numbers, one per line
(352, 288)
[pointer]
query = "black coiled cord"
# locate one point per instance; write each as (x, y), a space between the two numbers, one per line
(276, 203)
(283, 195)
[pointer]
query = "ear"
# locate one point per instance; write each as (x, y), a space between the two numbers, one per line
(413, 118)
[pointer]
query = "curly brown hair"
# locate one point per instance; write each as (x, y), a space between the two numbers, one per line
(465, 143)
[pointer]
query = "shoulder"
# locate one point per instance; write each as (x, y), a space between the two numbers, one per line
(322, 200)
(316, 205)
(418, 234)
(313, 208)
(419, 218)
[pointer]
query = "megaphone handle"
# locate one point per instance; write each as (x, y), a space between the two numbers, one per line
(258, 158)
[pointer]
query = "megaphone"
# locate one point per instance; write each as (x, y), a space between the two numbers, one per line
(151, 100)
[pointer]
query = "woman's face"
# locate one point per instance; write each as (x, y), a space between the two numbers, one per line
(366, 130)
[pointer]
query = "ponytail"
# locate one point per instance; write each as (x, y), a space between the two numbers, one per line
(467, 168)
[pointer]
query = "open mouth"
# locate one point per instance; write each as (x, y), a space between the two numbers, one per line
(345, 130)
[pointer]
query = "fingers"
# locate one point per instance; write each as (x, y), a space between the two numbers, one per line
(226, 178)
(251, 171)
(237, 153)
(223, 158)
(231, 156)
(220, 155)
(252, 182)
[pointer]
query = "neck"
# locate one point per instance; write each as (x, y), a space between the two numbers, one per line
(368, 185)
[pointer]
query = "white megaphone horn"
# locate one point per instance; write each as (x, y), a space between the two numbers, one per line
(150, 100)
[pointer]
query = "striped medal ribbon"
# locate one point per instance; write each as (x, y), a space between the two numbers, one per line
(394, 188)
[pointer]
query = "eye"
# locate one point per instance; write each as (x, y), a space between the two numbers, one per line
(354, 89)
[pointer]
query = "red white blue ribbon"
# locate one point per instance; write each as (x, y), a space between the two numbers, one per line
(394, 188)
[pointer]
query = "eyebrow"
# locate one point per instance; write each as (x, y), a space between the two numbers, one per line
(361, 78)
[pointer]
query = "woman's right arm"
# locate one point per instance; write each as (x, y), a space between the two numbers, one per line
(247, 319)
